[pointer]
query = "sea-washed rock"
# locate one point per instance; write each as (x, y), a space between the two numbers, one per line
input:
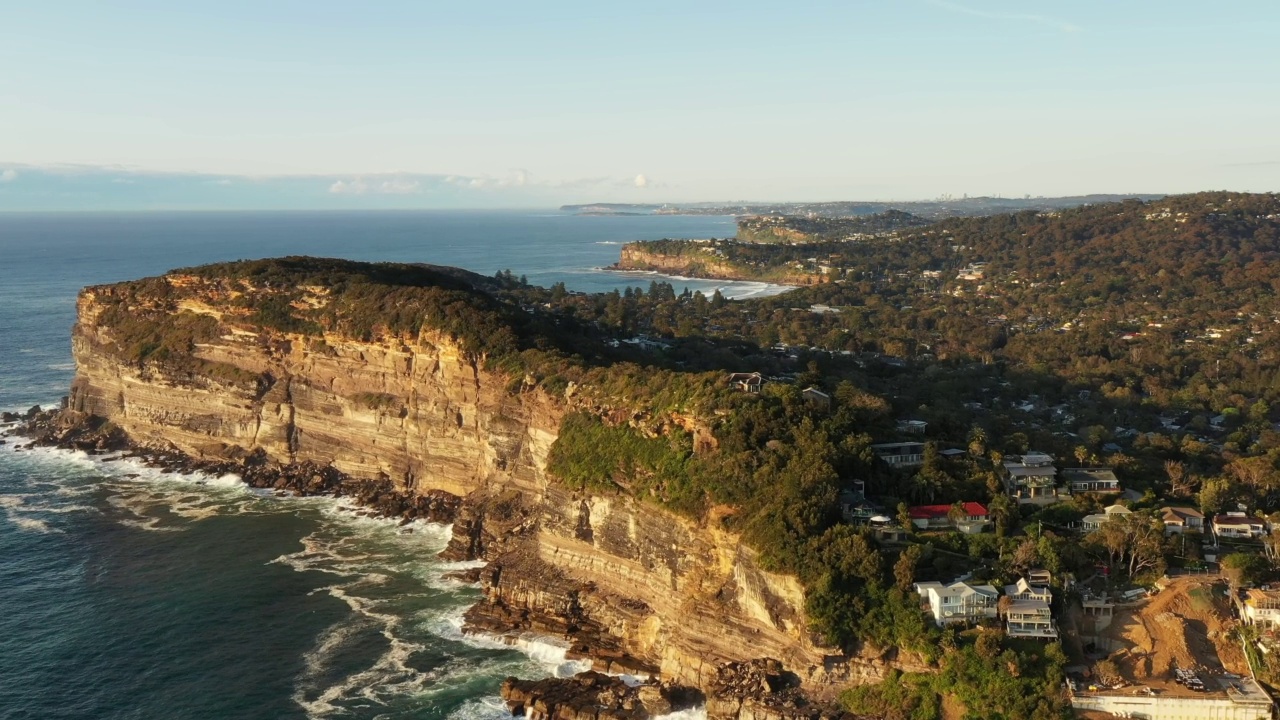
(593, 696)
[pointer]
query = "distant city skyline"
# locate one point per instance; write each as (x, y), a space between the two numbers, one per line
(317, 105)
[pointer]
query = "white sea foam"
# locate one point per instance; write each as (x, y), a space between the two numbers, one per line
(30, 524)
(546, 651)
(483, 708)
(698, 713)
(390, 674)
(363, 554)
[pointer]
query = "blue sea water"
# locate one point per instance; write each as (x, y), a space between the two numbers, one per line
(130, 593)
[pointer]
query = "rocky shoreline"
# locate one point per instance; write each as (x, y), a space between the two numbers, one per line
(69, 430)
(755, 690)
(488, 528)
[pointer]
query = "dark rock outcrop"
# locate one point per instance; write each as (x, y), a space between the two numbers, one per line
(593, 696)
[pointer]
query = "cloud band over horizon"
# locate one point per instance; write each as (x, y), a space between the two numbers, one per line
(86, 187)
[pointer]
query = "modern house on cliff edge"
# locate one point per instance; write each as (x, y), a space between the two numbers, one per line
(958, 602)
(1028, 612)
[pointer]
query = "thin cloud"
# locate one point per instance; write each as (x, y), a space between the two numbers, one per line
(1045, 20)
(349, 187)
(641, 181)
(8, 175)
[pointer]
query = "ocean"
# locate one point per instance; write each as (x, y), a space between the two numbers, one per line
(130, 593)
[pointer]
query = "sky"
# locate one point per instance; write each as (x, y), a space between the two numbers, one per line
(183, 104)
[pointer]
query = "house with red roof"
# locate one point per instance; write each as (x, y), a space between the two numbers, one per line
(969, 518)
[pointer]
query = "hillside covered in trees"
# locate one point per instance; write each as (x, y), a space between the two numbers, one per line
(1142, 336)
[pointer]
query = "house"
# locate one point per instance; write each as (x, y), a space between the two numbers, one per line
(815, 398)
(951, 453)
(854, 505)
(1238, 525)
(900, 454)
(937, 517)
(1182, 519)
(915, 427)
(886, 530)
(958, 602)
(1028, 612)
(1090, 480)
(747, 382)
(1093, 522)
(1031, 478)
(1261, 607)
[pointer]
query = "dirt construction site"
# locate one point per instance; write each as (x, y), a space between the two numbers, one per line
(1183, 630)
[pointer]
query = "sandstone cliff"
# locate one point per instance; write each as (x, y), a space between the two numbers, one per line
(698, 262)
(656, 591)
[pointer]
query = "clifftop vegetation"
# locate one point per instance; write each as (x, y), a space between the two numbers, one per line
(1142, 336)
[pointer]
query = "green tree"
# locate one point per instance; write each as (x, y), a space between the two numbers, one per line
(904, 570)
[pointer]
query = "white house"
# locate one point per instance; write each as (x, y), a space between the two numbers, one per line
(1238, 525)
(1028, 613)
(1261, 607)
(747, 382)
(958, 602)
(1181, 520)
(1093, 522)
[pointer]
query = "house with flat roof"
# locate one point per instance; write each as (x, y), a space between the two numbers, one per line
(1028, 612)
(900, 454)
(1090, 480)
(1179, 520)
(958, 602)
(915, 427)
(1031, 479)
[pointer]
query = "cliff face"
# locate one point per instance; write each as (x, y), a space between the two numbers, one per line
(419, 412)
(704, 265)
(673, 594)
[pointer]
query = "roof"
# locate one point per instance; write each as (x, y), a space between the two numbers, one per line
(1180, 514)
(746, 377)
(815, 391)
(897, 446)
(1253, 596)
(958, 588)
(1036, 458)
(1109, 512)
(1089, 475)
(930, 512)
(952, 452)
(1018, 471)
(1024, 586)
(1237, 520)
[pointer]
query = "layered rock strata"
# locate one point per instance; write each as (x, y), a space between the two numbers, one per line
(416, 427)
